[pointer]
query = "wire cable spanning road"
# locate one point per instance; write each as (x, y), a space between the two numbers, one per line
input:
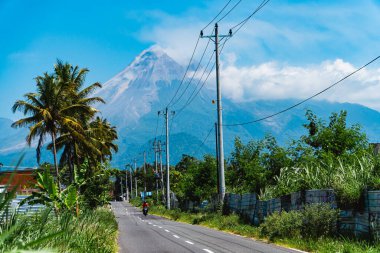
(155, 234)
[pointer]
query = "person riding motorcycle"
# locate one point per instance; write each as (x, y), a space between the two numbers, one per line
(145, 206)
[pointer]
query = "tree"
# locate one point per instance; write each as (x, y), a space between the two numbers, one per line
(48, 112)
(334, 139)
(72, 78)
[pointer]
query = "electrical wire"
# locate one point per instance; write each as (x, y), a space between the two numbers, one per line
(204, 82)
(155, 134)
(192, 55)
(305, 100)
(187, 69)
(225, 6)
(203, 142)
(244, 21)
(229, 11)
(205, 139)
(200, 79)
(192, 77)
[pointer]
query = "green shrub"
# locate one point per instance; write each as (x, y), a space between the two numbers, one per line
(282, 225)
(319, 220)
(316, 220)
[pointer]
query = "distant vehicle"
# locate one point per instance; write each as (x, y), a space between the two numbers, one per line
(3, 189)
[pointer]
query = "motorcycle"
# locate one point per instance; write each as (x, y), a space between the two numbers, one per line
(145, 210)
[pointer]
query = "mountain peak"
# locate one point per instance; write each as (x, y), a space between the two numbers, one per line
(135, 88)
(151, 56)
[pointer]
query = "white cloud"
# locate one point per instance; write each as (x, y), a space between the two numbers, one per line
(288, 50)
(300, 32)
(272, 80)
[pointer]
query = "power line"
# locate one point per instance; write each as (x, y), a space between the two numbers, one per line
(233, 7)
(192, 55)
(184, 75)
(205, 139)
(155, 134)
(305, 100)
(203, 142)
(200, 79)
(203, 84)
(192, 77)
(225, 6)
(244, 21)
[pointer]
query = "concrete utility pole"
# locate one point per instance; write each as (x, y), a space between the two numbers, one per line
(144, 174)
(156, 171)
(166, 113)
(135, 178)
(130, 179)
(121, 188)
(217, 156)
(126, 184)
(215, 38)
(161, 171)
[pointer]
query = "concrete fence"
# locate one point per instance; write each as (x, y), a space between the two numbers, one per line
(362, 221)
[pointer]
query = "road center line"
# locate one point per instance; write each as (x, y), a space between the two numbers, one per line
(176, 236)
(208, 251)
(167, 230)
(189, 242)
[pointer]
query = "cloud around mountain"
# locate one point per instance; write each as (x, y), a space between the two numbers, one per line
(273, 81)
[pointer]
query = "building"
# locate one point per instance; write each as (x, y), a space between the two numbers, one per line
(22, 179)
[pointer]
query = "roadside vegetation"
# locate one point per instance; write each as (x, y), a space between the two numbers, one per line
(329, 155)
(75, 189)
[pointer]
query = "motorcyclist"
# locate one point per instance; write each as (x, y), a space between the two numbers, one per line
(145, 206)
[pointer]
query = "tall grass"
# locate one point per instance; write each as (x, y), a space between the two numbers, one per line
(92, 231)
(347, 177)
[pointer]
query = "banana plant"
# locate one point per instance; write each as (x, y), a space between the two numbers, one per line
(48, 193)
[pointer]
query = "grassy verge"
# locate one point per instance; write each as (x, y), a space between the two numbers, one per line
(233, 224)
(92, 231)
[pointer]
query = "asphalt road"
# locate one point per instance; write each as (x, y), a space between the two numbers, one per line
(141, 234)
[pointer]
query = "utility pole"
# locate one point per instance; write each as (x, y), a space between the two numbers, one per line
(215, 38)
(126, 184)
(144, 174)
(121, 188)
(166, 113)
(135, 178)
(217, 156)
(156, 171)
(161, 171)
(130, 179)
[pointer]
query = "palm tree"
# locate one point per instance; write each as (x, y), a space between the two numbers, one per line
(104, 135)
(49, 111)
(62, 108)
(43, 109)
(72, 141)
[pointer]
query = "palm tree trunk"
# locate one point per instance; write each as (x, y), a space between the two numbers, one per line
(55, 161)
(71, 166)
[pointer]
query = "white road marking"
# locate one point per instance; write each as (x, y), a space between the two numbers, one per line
(189, 242)
(149, 222)
(176, 236)
(159, 227)
(167, 230)
(208, 251)
(154, 225)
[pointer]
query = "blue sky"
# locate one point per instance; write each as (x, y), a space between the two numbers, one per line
(289, 39)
